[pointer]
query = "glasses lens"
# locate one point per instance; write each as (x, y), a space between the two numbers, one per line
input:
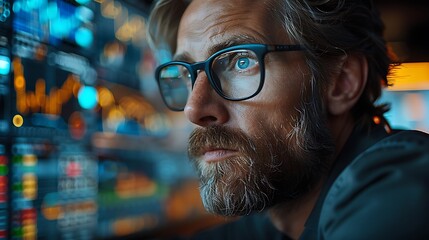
(237, 73)
(175, 85)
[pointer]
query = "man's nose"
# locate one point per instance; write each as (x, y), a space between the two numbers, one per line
(204, 106)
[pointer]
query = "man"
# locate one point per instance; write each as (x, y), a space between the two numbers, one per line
(282, 95)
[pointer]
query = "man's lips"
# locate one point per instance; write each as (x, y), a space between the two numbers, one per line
(217, 154)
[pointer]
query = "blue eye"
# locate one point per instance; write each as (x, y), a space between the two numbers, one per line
(243, 63)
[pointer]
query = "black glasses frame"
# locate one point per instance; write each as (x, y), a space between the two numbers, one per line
(259, 49)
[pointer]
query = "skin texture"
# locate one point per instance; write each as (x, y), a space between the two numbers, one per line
(199, 31)
(252, 149)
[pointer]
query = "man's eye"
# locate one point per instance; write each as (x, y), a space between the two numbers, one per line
(242, 63)
(239, 61)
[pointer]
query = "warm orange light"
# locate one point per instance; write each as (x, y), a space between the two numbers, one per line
(19, 82)
(29, 184)
(410, 76)
(29, 160)
(18, 121)
(40, 90)
(53, 102)
(126, 226)
(38, 101)
(106, 97)
(116, 115)
(77, 126)
(111, 9)
(21, 104)
(134, 185)
(52, 212)
(29, 231)
(376, 120)
(33, 103)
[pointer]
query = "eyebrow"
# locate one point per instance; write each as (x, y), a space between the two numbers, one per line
(233, 41)
(236, 40)
(182, 57)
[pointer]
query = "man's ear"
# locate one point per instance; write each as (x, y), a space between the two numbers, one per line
(347, 87)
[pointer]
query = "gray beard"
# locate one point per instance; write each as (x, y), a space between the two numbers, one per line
(233, 188)
(275, 167)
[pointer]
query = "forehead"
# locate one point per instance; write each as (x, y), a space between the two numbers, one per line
(210, 22)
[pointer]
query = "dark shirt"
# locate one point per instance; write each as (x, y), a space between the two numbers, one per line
(378, 188)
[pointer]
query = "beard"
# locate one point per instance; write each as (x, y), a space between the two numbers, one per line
(276, 166)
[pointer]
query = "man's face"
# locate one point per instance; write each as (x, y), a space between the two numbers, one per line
(249, 154)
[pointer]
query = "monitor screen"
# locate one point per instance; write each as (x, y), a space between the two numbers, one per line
(87, 150)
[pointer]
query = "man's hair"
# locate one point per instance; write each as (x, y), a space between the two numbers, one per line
(329, 29)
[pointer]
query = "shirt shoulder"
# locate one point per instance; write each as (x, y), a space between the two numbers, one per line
(382, 194)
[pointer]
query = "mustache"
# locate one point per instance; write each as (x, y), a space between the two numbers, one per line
(214, 137)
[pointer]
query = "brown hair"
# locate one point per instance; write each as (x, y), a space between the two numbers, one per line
(329, 29)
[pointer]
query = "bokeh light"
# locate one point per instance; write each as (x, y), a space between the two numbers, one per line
(87, 97)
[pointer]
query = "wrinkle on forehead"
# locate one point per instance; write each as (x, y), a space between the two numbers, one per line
(214, 18)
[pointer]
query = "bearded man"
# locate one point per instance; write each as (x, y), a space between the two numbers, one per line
(282, 95)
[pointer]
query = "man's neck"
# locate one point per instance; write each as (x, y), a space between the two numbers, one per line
(290, 217)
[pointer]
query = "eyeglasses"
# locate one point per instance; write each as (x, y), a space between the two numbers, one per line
(235, 73)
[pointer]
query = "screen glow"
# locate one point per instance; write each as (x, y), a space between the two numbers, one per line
(88, 97)
(4, 65)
